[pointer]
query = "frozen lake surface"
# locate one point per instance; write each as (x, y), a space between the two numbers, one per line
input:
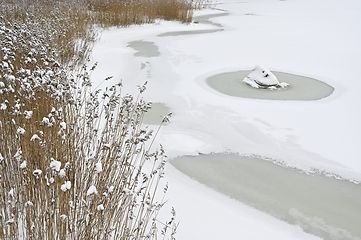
(300, 87)
(155, 115)
(144, 48)
(196, 70)
(320, 205)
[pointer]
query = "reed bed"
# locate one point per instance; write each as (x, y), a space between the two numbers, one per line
(75, 163)
(125, 12)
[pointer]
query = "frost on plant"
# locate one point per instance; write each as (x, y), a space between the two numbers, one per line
(34, 137)
(55, 165)
(66, 186)
(92, 190)
(72, 159)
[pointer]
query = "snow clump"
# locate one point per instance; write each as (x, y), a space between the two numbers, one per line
(37, 173)
(28, 114)
(100, 207)
(55, 165)
(111, 189)
(62, 173)
(34, 137)
(3, 106)
(261, 77)
(66, 186)
(98, 167)
(63, 125)
(20, 131)
(23, 165)
(92, 190)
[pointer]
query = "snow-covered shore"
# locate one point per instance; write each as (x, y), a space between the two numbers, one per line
(318, 39)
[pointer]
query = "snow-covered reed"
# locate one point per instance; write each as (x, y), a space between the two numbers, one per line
(75, 163)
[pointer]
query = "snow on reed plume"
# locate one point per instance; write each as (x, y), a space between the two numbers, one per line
(75, 163)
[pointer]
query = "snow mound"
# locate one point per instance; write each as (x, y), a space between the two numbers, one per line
(261, 77)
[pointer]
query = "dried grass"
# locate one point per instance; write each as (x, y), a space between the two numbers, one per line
(74, 164)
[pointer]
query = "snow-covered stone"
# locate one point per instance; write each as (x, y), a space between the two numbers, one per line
(260, 77)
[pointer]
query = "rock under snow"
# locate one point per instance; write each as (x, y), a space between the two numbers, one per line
(261, 77)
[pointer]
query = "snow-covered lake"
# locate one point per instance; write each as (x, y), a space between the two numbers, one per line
(316, 39)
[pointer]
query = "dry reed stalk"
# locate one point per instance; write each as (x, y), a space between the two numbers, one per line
(72, 166)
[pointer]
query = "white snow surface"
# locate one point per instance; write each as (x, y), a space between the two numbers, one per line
(318, 39)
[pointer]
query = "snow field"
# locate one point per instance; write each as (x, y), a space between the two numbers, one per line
(318, 39)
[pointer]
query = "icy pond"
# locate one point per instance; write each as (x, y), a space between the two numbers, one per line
(196, 71)
(300, 87)
(144, 48)
(320, 205)
(155, 115)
